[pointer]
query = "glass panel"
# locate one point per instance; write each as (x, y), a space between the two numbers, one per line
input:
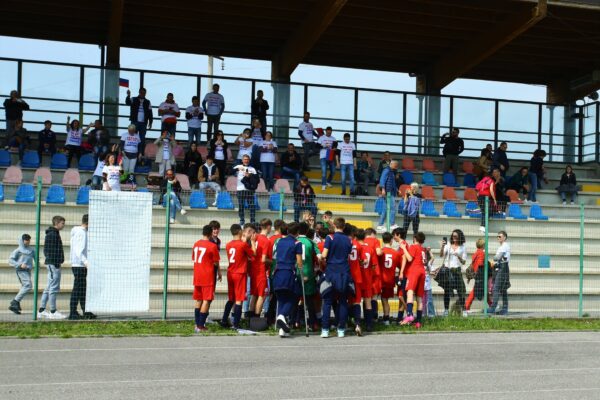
(52, 81)
(332, 107)
(8, 78)
(91, 84)
(590, 132)
(478, 114)
(422, 120)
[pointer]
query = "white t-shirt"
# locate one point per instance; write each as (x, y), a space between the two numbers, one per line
(451, 256)
(113, 176)
(141, 111)
(257, 137)
(195, 122)
(213, 103)
(173, 110)
(503, 252)
(240, 173)
(346, 153)
(131, 142)
(99, 168)
(166, 149)
(327, 143)
(307, 130)
(219, 152)
(270, 155)
(245, 150)
(74, 137)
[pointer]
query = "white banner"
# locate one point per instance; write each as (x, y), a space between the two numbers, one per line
(119, 246)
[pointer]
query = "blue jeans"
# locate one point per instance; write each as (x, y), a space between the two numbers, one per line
(383, 216)
(430, 306)
(191, 133)
(52, 288)
(533, 178)
(563, 196)
(96, 182)
(267, 169)
(141, 127)
(175, 204)
(347, 170)
(288, 172)
(324, 164)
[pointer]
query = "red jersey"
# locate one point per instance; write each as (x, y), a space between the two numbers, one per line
(321, 246)
(369, 258)
(258, 266)
(417, 265)
(392, 260)
(355, 258)
(478, 259)
(272, 240)
(239, 254)
(375, 244)
(205, 254)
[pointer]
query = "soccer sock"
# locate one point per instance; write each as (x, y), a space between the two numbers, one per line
(386, 317)
(400, 315)
(356, 313)
(202, 318)
(237, 315)
(374, 308)
(197, 316)
(228, 307)
(369, 318)
(419, 315)
(409, 309)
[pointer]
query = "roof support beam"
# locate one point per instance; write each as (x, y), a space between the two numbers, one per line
(305, 37)
(462, 60)
(115, 26)
(567, 91)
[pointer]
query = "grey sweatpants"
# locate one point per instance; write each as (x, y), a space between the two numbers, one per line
(52, 288)
(24, 276)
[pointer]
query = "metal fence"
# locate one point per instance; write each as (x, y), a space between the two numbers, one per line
(401, 122)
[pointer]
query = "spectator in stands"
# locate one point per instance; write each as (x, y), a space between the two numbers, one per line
(214, 104)
(259, 110)
(291, 164)
(218, 150)
(365, 173)
(13, 108)
(169, 112)
(97, 176)
(412, 206)
(519, 182)
(501, 275)
(568, 185)
(453, 146)
(22, 260)
(346, 162)
(387, 183)
(268, 157)
(500, 187)
(208, 176)
(483, 164)
(111, 173)
(244, 142)
(47, 140)
(500, 159)
(257, 136)
(328, 145)
(454, 256)
(74, 139)
(304, 199)
(165, 158)
(536, 175)
(247, 182)
(140, 114)
(79, 266)
(99, 139)
(130, 148)
(386, 159)
(194, 115)
(55, 256)
(486, 188)
(175, 191)
(192, 163)
(307, 134)
(20, 139)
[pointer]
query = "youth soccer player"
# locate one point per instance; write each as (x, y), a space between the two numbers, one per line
(415, 278)
(310, 255)
(391, 263)
(372, 240)
(368, 261)
(259, 287)
(239, 253)
(356, 274)
(399, 235)
(205, 255)
(280, 229)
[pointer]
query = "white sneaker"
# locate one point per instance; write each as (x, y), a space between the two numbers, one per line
(283, 333)
(324, 333)
(43, 314)
(393, 227)
(172, 220)
(341, 333)
(572, 203)
(183, 212)
(482, 228)
(214, 204)
(465, 314)
(57, 315)
(565, 203)
(323, 188)
(328, 184)
(380, 229)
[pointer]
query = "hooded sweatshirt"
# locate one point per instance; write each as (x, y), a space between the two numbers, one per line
(22, 255)
(53, 248)
(78, 246)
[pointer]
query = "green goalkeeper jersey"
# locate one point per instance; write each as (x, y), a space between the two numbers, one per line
(309, 253)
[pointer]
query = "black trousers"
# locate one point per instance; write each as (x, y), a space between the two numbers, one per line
(79, 288)
(212, 122)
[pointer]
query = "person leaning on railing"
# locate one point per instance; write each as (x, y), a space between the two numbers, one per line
(453, 146)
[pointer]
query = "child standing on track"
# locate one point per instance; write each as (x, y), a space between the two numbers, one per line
(369, 263)
(22, 260)
(372, 240)
(391, 263)
(414, 269)
(205, 255)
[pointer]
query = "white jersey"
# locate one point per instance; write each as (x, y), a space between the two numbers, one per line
(268, 155)
(326, 143)
(74, 137)
(113, 176)
(131, 142)
(307, 130)
(195, 121)
(346, 153)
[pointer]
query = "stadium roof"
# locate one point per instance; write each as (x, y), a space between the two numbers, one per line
(504, 40)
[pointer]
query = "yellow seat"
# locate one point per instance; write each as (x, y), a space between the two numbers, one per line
(340, 207)
(360, 224)
(590, 188)
(316, 174)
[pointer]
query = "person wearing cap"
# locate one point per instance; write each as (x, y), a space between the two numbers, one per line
(22, 260)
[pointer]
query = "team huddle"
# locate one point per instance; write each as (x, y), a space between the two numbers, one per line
(306, 274)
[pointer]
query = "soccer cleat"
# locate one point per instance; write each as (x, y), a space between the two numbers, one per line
(57, 315)
(417, 325)
(358, 331)
(282, 324)
(341, 333)
(183, 212)
(324, 333)
(407, 320)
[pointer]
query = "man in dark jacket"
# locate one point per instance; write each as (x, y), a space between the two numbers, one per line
(47, 140)
(453, 146)
(259, 110)
(140, 114)
(291, 164)
(99, 139)
(55, 256)
(500, 159)
(14, 107)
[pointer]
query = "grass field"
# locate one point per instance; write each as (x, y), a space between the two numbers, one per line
(65, 329)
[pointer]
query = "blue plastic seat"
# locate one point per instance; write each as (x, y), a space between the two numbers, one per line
(224, 201)
(274, 200)
(31, 159)
(1, 192)
(514, 211)
(407, 177)
(143, 190)
(144, 169)
(87, 163)
(428, 209)
(4, 158)
(25, 193)
(256, 203)
(59, 161)
(472, 209)
(450, 210)
(448, 179)
(536, 213)
(83, 195)
(198, 200)
(428, 179)
(56, 195)
(469, 180)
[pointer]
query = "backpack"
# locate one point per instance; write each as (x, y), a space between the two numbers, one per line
(251, 182)
(483, 186)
